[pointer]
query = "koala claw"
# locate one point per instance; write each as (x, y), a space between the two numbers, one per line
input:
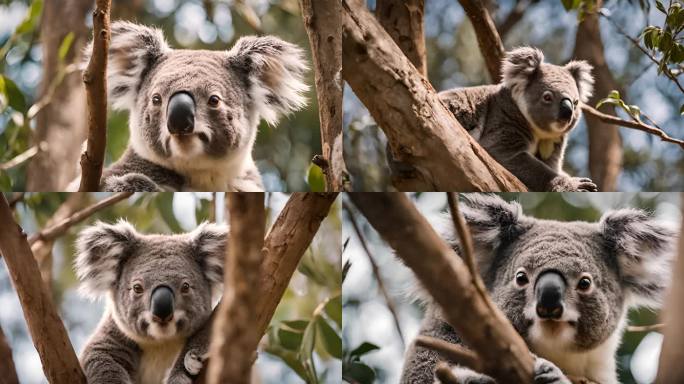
(572, 184)
(545, 372)
(193, 363)
(132, 182)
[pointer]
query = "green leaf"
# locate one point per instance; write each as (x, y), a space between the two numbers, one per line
(356, 372)
(31, 18)
(635, 111)
(333, 308)
(681, 110)
(164, 203)
(315, 178)
(331, 340)
(5, 181)
(290, 358)
(15, 98)
(567, 4)
(289, 339)
(660, 6)
(607, 100)
(614, 95)
(306, 351)
(363, 349)
(65, 46)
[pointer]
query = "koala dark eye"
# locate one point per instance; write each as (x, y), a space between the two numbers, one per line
(547, 96)
(521, 278)
(214, 101)
(137, 288)
(584, 283)
(185, 288)
(156, 99)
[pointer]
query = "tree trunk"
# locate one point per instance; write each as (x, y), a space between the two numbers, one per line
(8, 373)
(488, 38)
(605, 144)
(62, 123)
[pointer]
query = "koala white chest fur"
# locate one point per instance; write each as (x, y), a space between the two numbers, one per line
(157, 360)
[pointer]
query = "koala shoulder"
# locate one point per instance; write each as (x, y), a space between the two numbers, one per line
(470, 105)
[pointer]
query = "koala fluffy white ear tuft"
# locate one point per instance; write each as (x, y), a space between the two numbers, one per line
(644, 249)
(132, 51)
(274, 71)
(210, 241)
(519, 64)
(581, 72)
(100, 250)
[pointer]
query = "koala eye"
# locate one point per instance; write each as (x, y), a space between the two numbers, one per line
(156, 99)
(521, 278)
(185, 288)
(547, 96)
(137, 288)
(584, 283)
(214, 101)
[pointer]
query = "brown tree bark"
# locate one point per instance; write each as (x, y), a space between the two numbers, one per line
(502, 352)
(420, 130)
(8, 373)
(234, 338)
(62, 122)
(488, 39)
(95, 80)
(605, 143)
(670, 367)
(47, 330)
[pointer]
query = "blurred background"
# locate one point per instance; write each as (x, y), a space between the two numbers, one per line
(42, 97)
(372, 343)
(622, 160)
(281, 356)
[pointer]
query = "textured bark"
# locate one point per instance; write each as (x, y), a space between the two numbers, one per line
(46, 328)
(324, 26)
(95, 79)
(8, 373)
(420, 130)
(488, 38)
(670, 367)
(445, 276)
(61, 123)
(234, 338)
(605, 144)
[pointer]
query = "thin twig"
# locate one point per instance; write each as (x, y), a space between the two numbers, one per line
(646, 328)
(60, 228)
(455, 353)
(376, 273)
(640, 126)
(23, 157)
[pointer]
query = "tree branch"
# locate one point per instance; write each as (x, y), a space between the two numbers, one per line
(8, 373)
(95, 79)
(324, 26)
(47, 330)
(419, 128)
(234, 338)
(444, 275)
(514, 17)
(455, 353)
(488, 38)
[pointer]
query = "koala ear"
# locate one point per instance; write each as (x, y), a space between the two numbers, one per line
(643, 249)
(581, 72)
(100, 250)
(519, 64)
(133, 49)
(273, 70)
(210, 240)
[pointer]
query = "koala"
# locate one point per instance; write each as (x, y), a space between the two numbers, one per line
(159, 295)
(524, 121)
(193, 114)
(565, 286)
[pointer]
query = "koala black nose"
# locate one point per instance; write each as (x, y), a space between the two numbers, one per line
(566, 109)
(161, 303)
(180, 115)
(549, 292)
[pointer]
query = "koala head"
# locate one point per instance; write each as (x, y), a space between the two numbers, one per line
(159, 287)
(547, 95)
(567, 285)
(195, 105)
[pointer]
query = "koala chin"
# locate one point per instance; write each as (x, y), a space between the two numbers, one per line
(524, 121)
(159, 293)
(193, 114)
(565, 286)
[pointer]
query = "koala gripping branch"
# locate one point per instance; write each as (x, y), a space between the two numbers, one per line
(95, 80)
(419, 128)
(502, 352)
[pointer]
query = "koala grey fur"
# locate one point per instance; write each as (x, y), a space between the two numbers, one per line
(521, 130)
(131, 343)
(626, 256)
(259, 78)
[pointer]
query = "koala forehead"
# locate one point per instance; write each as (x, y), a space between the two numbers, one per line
(160, 257)
(553, 78)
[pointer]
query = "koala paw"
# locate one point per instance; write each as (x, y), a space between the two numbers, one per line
(193, 363)
(545, 372)
(132, 182)
(468, 376)
(572, 184)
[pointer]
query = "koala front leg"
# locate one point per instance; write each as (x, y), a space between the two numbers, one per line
(191, 359)
(468, 376)
(539, 177)
(110, 358)
(130, 182)
(545, 372)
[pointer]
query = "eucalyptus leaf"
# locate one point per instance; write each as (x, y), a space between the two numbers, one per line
(331, 340)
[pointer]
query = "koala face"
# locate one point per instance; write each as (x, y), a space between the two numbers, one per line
(194, 106)
(159, 286)
(567, 285)
(548, 95)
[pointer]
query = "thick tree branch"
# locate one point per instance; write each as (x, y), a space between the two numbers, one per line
(420, 130)
(443, 274)
(454, 353)
(50, 338)
(8, 373)
(324, 26)
(488, 38)
(95, 79)
(403, 21)
(234, 338)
